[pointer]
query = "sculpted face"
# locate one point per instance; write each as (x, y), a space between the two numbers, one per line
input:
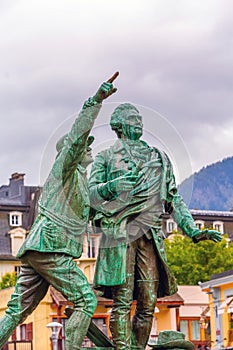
(132, 126)
(87, 154)
(87, 157)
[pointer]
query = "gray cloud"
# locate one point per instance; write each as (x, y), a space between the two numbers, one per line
(175, 58)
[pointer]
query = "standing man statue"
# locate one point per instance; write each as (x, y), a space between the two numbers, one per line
(56, 235)
(131, 185)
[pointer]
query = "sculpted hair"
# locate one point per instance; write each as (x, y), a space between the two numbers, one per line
(119, 115)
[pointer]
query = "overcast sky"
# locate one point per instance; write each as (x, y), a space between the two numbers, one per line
(175, 60)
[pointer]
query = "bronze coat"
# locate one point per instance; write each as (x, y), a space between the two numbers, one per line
(112, 217)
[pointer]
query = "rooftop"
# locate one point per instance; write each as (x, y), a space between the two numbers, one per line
(222, 274)
(211, 212)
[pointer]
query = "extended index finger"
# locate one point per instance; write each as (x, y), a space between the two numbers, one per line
(115, 75)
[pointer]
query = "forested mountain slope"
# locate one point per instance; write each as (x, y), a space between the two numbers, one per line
(212, 187)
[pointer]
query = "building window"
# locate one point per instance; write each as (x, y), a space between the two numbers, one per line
(171, 226)
(18, 235)
(23, 332)
(200, 224)
(184, 328)
(17, 270)
(218, 226)
(92, 247)
(195, 330)
(15, 218)
(191, 329)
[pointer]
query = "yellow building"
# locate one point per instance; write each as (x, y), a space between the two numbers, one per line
(34, 329)
(194, 319)
(220, 291)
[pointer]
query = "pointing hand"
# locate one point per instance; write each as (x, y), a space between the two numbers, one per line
(106, 89)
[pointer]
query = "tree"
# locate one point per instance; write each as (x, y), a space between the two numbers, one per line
(8, 280)
(192, 262)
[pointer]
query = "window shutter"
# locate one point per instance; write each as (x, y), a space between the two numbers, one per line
(13, 336)
(29, 331)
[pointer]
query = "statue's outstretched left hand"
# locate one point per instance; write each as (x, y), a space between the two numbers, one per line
(201, 235)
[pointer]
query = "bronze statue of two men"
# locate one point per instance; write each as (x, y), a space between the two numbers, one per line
(130, 186)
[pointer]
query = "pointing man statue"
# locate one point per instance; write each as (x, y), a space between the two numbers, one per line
(55, 238)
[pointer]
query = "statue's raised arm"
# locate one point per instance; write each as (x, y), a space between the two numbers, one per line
(56, 237)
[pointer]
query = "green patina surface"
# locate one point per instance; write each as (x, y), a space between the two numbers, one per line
(56, 235)
(131, 185)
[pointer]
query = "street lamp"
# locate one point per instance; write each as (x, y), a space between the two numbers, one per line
(203, 323)
(55, 328)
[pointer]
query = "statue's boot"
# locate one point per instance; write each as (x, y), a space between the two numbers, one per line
(76, 329)
(7, 327)
(143, 317)
(140, 332)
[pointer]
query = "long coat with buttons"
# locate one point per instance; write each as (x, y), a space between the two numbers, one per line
(112, 214)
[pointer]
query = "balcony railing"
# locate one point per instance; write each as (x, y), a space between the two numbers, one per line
(18, 345)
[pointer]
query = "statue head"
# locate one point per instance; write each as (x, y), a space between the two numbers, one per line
(60, 143)
(126, 122)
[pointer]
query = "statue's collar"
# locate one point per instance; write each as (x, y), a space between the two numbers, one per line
(120, 145)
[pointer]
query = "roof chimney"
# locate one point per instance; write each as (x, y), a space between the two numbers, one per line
(17, 176)
(16, 186)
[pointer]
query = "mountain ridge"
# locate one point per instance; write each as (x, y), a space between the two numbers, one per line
(211, 187)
